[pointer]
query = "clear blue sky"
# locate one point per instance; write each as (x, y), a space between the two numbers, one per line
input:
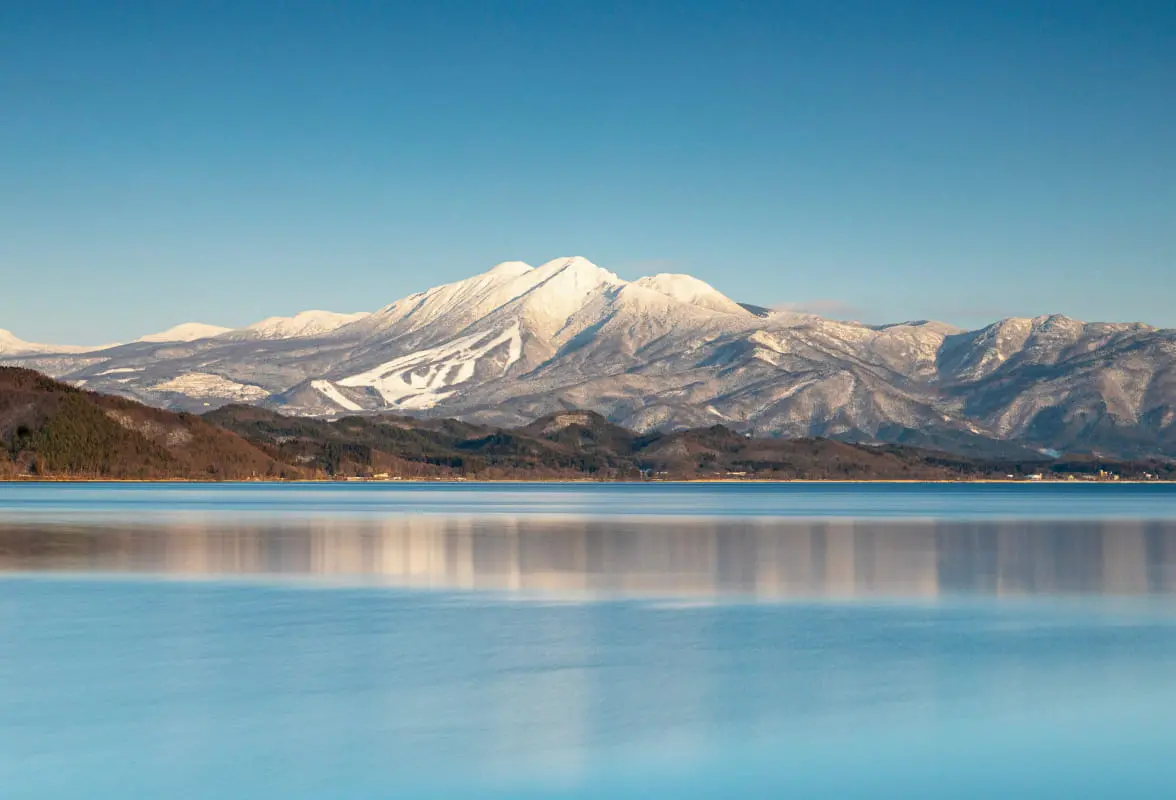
(224, 161)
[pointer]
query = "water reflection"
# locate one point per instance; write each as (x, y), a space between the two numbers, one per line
(769, 560)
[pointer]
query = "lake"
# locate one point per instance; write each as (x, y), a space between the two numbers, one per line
(585, 640)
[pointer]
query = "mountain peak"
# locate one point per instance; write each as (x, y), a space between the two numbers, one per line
(305, 323)
(185, 332)
(1056, 321)
(688, 289)
(10, 344)
(558, 289)
(577, 264)
(510, 269)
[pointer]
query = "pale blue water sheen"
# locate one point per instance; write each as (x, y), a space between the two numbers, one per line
(218, 642)
(1077, 500)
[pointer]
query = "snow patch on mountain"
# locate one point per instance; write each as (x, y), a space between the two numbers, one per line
(332, 393)
(204, 384)
(421, 379)
(560, 422)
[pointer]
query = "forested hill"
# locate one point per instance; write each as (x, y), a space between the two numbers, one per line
(575, 444)
(52, 430)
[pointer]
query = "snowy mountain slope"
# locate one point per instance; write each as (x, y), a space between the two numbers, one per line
(10, 345)
(517, 342)
(303, 324)
(185, 332)
(424, 378)
(455, 305)
(822, 378)
(1069, 384)
(691, 290)
(490, 329)
(196, 367)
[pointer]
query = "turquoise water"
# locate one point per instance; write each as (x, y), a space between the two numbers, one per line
(651, 641)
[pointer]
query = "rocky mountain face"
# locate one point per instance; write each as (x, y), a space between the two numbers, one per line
(666, 352)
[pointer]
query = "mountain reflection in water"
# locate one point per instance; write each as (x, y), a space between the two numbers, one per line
(703, 559)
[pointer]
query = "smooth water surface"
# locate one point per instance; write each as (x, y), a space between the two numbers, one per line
(124, 501)
(587, 641)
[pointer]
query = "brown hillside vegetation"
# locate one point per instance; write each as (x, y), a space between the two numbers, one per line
(583, 444)
(49, 429)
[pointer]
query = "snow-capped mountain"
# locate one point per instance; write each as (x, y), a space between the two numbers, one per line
(691, 290)
(10, 345)
(185, 332)
(517, 342)
(303, 324)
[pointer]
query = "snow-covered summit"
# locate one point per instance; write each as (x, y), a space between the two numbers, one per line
(303, 324)
(547, 293)
(689, 289)
(185, 332)
(11, 345)
(510, 269)
(558, 289)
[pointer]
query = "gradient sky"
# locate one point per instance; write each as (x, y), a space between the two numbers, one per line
(225, 161)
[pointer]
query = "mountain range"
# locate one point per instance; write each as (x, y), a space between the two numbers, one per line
(666, 352)
(51, 430)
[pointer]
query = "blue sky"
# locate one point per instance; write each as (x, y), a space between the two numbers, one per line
(225, 161)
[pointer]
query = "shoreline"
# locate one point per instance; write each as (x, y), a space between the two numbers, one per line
(575, 481)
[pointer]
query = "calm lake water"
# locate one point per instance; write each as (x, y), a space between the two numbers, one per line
(362, 641)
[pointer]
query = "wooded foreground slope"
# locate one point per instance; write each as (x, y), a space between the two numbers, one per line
(51, 429)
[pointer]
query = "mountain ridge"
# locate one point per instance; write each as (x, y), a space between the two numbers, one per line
(50, 430)
(517, 342)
